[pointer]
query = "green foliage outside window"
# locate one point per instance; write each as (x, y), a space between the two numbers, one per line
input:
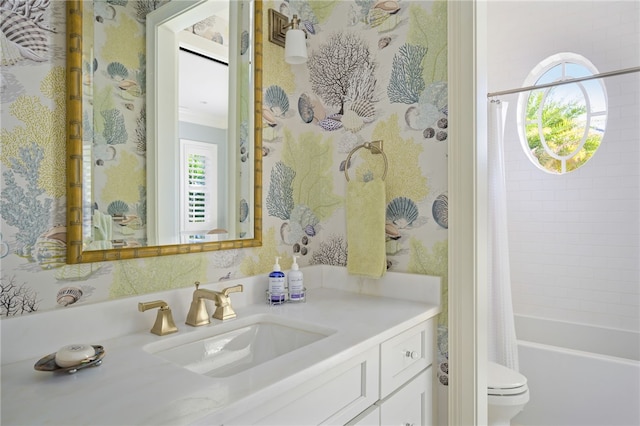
(197, 169)
(563, 127)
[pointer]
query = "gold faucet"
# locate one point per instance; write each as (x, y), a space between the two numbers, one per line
(198, 314)
(164, 320)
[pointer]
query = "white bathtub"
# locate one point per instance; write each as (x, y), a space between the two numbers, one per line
(578, 374)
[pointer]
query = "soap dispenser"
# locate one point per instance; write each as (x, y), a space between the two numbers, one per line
(276, 293)
(296, 286)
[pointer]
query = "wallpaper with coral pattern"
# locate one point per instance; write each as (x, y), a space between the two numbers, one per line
(377, 70)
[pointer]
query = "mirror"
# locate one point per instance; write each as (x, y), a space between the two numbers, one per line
(104, 227)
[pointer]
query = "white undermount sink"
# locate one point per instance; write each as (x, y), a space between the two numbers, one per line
(223, 350)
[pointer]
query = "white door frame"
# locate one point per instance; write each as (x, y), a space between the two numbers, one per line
(467, 212)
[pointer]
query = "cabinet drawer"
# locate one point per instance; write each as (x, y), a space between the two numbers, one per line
(404, 356)
(411, 404)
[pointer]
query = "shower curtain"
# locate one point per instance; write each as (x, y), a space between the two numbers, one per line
(502, 344)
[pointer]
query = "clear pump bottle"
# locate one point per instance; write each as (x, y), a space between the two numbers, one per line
(276, 293)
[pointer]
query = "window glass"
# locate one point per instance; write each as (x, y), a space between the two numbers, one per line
(562, 126)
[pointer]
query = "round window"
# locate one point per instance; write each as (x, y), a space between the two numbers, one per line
(561, 126)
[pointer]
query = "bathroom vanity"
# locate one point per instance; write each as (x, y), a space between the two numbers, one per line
(359, 351)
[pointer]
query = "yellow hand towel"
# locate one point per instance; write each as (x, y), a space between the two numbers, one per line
(366, 209)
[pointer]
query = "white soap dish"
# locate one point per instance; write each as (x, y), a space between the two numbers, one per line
(48, 363)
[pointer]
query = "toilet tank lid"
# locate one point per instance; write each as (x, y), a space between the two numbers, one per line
(501, 377)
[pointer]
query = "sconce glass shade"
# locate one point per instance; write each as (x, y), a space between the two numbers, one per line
(295, 49)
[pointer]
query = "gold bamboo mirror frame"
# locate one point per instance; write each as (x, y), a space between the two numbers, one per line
(75, 203)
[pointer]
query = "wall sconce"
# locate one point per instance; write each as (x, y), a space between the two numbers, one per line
(288, 35)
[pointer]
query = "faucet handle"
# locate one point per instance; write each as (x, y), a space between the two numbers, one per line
(235, 289)
(164, 320)
(224, 311)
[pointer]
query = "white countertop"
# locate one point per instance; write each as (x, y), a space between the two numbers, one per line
(135, 387)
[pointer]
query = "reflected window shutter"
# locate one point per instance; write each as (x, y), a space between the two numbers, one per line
(198, 188)
(199, 193)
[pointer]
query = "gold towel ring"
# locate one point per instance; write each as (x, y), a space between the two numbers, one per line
(370, 147)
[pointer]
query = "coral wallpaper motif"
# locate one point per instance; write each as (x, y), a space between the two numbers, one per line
(377, 71)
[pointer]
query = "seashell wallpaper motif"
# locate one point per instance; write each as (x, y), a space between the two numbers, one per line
(276, 100)
(376, 71)
(22, 36)
(402, 212)
(68, 295)
(440, 210)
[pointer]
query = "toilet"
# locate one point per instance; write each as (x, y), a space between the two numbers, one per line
(507, 394)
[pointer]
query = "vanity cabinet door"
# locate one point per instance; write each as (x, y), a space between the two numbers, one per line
(404, 356)
(411, 404)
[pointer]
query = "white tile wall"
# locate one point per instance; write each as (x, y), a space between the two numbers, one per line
(574, 239)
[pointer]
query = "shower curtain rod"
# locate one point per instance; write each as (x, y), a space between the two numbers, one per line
(571, 80)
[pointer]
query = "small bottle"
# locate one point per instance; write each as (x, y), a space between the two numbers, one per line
(296, 286)
(277, 293)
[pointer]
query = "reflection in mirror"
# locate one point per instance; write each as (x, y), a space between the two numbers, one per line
(203, 105)
(200, 191)
(190, 142)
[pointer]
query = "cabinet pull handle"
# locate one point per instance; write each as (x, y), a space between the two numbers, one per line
(407, 424)
(412, 355)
